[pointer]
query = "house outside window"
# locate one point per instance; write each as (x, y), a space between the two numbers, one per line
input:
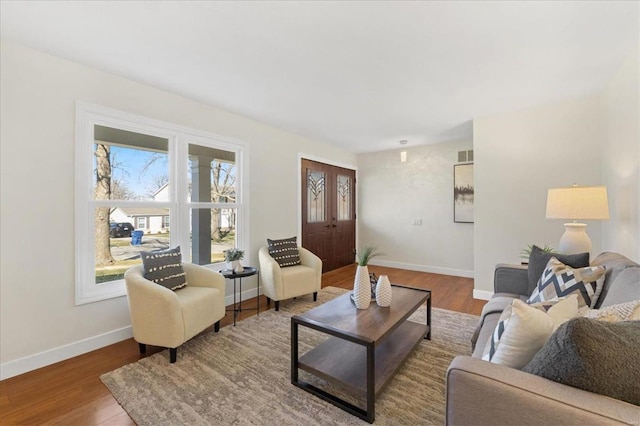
(131, 170)
(141, 223)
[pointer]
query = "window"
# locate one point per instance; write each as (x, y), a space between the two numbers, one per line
(135, 174)
(141, 223)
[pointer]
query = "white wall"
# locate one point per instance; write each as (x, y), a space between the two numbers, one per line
(620, 105)
(391, 195)
(38, 94)
(518, 157)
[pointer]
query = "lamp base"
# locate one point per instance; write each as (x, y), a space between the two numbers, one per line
(575, 239)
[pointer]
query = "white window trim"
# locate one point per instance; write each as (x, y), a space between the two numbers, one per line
(88, 115)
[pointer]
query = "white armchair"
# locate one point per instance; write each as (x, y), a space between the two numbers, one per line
(167, 318)
(293, 281)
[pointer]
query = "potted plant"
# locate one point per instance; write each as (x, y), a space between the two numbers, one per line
(233, 256)
(526, 252)
(362, 283)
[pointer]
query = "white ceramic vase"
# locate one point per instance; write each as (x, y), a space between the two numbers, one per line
(362, 288)
(383, 292)
(235, 266)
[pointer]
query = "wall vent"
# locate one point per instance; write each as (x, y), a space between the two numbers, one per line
(465, 156)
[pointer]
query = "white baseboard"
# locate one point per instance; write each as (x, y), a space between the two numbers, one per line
(482, 294)
(51, 356)
(246, 294)
(424, 268)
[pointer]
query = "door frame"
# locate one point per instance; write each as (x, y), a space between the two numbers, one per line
(331, 163)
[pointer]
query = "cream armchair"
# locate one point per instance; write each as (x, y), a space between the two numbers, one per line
(293, 281)
(166, 318)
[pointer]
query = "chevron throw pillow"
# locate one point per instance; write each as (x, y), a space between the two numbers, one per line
(559, 280)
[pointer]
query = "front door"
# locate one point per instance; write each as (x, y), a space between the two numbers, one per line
(328, 213)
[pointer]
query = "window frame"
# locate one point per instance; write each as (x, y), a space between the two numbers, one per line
(179, 137)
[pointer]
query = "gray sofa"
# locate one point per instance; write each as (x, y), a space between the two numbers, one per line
(482, 393)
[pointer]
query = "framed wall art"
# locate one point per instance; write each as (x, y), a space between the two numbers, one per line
(463, 193)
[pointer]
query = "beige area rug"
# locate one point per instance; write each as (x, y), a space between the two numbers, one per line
(241, 376)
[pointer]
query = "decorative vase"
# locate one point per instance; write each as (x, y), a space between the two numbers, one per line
(362, 288)
(235, 266)
(383, 292)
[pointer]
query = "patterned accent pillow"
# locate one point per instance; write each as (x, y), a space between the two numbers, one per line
(285, 251)
(164, 267)
(523, 329)
(559, 280)
(628, 311)
(539, 258)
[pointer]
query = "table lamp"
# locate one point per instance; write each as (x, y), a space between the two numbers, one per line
(577, 203)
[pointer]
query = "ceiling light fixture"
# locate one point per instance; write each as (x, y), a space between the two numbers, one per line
(403, 153)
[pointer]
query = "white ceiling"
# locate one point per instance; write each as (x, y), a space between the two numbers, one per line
(362, 75)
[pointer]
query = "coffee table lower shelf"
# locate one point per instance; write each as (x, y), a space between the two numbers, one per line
(344, 363)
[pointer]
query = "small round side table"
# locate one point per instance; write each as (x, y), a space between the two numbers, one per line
(237, 305)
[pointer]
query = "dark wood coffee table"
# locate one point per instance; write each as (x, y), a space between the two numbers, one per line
(367, 348)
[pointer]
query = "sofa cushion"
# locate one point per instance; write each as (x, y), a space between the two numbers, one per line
(625, 288)
(560, 280)
(596, 356)
(615, 264)
(284, 251)
(539, 258)
(522, 330)
(164, 267)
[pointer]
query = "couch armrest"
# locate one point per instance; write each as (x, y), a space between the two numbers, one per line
(270, 275)
(199, 276)
(155, 310)
(481, 393)
(308, 258)
(511, 279)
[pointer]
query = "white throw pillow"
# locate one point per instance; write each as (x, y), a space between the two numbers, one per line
(519, 337)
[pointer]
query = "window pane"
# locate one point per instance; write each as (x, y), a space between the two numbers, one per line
(316, 196)
(129, 165)
(344, 197)
(117, 248)
(212, 232)
(212, 175)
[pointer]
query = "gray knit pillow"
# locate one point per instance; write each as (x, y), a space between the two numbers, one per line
(593, 355)
(164, 267)
(285, 251)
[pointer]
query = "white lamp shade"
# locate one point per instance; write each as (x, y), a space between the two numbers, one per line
(578, 203)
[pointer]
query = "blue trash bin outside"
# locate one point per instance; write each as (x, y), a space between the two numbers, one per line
(136, 238)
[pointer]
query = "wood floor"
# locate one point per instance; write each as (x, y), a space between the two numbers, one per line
(71, 393)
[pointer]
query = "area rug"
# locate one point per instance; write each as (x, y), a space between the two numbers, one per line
(241, 376)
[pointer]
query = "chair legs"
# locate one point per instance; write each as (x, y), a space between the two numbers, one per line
(277, 302)
(216, 326)
(173, 352)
